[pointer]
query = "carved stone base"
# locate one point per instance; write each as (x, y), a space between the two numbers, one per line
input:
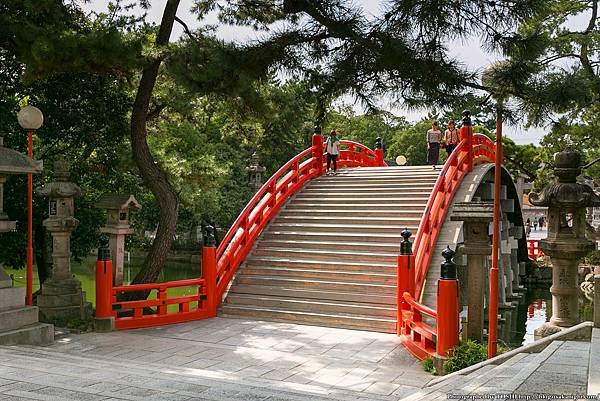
(62, 299)
(547, 329)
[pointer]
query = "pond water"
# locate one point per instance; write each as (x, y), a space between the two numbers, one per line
(533, 311)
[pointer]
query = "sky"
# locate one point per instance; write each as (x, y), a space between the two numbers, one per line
(468, 52)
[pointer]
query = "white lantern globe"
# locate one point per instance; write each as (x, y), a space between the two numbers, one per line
(30, 118)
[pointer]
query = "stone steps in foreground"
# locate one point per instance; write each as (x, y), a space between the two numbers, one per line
(390, 248)
(362, 289)
(319, 306)
(358, 322)
(309, 293)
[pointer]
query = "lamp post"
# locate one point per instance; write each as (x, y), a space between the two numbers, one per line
(30, 118)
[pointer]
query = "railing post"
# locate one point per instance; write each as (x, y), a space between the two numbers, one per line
(209, 271)
(379, 152)
(317, 149)
(447, 306)
(104, 319)
(405, 271)
(466, 132)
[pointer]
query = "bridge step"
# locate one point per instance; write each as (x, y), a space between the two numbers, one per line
(329, 257)
(352, 200)
(300, 304)
(357, 288)
(335, 265)
(353, 276)
(360, 220)
(388, 238)
(335, 243)
(307, 293)
(335, 228)
(332, 253)
(340, 211)
(358, 322)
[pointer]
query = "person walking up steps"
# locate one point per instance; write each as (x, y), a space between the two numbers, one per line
(333, 150)
(434, 135)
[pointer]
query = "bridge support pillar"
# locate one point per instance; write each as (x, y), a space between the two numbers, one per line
(477, 217)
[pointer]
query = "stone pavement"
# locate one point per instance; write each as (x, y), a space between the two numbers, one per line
(215, 359)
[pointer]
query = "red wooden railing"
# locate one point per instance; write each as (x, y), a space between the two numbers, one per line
(452, 174)
(219, 266)
(422, 339)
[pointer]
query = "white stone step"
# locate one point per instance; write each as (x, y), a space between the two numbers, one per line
(13, 319)
(12, 297)
(35, 334)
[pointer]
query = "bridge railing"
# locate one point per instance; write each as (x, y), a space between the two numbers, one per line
(418, 337)
(533, 249)
(219, 265)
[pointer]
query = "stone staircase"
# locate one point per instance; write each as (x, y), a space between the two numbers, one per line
(329, 257)
(19, 323)
(560, 370)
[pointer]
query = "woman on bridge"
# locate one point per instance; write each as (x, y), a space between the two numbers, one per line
(451, 137)
(434, 136)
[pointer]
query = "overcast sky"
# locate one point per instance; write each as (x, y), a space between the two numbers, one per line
(470, 52)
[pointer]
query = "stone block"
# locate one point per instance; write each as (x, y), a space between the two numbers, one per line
(39, 334)
(5, 280)
(12, 297)
(104, 324)
(12, 319)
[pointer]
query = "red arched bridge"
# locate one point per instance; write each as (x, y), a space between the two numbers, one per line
(324, 250)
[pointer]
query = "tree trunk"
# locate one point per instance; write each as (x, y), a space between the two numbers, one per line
(152, 174)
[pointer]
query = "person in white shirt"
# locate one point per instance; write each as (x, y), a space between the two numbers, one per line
(333, 150)
(434, 136)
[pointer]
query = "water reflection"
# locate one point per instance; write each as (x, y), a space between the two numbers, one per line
(534, 310)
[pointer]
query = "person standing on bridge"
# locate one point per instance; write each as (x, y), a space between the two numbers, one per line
(451, 137)
(434, 136)
(333, 150)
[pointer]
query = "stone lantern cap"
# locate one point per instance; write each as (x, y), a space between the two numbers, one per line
(566, 193)
(61, 188)
(118, 202)
(13, 162)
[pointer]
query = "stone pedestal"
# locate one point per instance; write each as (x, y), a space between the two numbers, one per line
(117, 227)
(566, 243)
(61, 297)
(476, 217)
(19, 323)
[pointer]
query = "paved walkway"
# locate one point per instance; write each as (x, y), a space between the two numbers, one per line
(215, 359)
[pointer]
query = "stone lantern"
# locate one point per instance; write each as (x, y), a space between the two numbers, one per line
(18, 323)
(117, 226)
(255, 171)
(61, 295)
(566, 243)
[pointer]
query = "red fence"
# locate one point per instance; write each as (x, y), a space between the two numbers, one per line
(421, 339)
(219, 266)
(533, 249)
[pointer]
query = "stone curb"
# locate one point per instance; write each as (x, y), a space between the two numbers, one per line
(582, 331)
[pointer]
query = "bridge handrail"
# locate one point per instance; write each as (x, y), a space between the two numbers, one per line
(238, 241)
(258, 212)
(190, 307)
(451, 175)
(416, 306)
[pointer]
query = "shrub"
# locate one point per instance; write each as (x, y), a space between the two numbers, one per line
(465, 354)
(592, 258)
(427, 364)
